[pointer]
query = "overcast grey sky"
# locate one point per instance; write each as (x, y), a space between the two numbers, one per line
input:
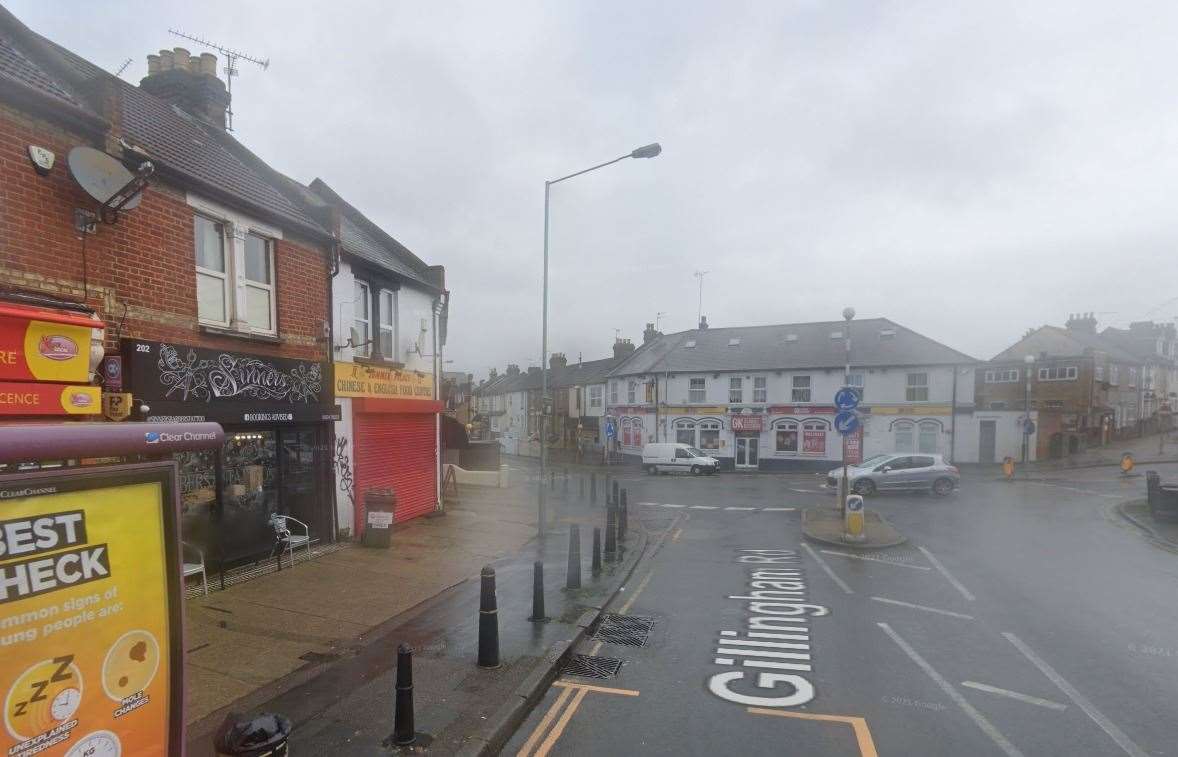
(966, 169)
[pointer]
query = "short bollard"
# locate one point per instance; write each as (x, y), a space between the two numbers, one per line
(593, 488)
(488, 621)
(615, 493)
(581, 486)
(596, 551)
(538, 615)
(403, 733)
(611, 533)
(573, 578)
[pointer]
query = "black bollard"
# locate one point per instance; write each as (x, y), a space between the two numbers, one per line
(593, 488)
(403, 732)
(573, 579)
(564, 484)
(611, 533)
(538, 592)
(581, 487)
(551, 480)
(614, 489)
(596, 551)
(488, 621)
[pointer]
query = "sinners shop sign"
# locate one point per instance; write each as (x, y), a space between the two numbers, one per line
(186, 374)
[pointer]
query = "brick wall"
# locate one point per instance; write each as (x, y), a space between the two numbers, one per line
(142, 266)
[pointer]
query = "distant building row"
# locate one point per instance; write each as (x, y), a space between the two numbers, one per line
(762, 397)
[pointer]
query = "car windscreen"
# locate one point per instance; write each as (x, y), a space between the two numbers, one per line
(695, 452)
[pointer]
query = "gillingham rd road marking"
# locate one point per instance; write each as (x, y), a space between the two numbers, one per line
(1015, 695)
(923, 607)
(956, 584)
(875, 559)
(826, 569)
(978, 718)
(1106, 725)
(776, 637)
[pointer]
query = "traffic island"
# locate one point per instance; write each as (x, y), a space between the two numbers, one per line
(825, 524)
(1136, 511)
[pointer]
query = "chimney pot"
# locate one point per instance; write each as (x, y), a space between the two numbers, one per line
(703, 322)
(180, 58)
(208, 64)
(167, 60)
(153, 64)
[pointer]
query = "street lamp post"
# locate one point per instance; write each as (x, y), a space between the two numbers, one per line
(848, 314)
(1028, 362)
(647, 151)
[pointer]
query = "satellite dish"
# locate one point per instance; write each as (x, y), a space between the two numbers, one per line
(107, 180)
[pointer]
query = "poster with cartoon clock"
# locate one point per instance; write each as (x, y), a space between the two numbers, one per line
(90, 625)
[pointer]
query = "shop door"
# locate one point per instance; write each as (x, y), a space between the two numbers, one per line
(746, 451)
(302, 496)
(396, 451)
(986, 444)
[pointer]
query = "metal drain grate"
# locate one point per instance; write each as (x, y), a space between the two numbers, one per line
(630, 630)
(588, 666)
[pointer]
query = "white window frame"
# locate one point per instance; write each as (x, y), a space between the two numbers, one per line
(1114, 377)
(799, 390)
(1132, 377)
(697, 394)
(391, 326)
(760, 389)
(787, 425)
(631, 392)
(915, 386)
(735, 389)
(1002, 376)
(364, 347)
(857, 381)
(1061, 373)
(1098, 372)
(235, 226)
(708, 425)
(613, 392)
(685, 427)
(226, 295)
(595, 393)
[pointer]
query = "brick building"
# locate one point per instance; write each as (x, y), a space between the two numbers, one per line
(214, 292)
(1086, 388)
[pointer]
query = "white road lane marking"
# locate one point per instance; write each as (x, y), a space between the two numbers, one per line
(1015, 695)
(956, 584)
(740, 508)
(978, 718)
(667, 504)
(704, 507)
(875, 559)
(826, 568)
(779, 509)
(1106, 725)
(926, 608)
(808, 491)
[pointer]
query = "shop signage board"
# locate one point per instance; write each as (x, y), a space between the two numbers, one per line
(907, 409)
(747, 423)
(803, 409)
(27, 398)
(181, 383)
(361, 380)
(90, 612)
(43, 345)
(853, 447)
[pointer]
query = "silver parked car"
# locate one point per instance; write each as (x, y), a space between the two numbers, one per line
(899, 472)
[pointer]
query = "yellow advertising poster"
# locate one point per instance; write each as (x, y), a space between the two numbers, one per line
(359, 380)
(86, 619)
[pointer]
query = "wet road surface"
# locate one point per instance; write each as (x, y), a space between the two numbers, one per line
(1021, 618)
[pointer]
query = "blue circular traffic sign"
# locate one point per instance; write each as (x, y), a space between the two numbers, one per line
(846, 422)
(846, 398)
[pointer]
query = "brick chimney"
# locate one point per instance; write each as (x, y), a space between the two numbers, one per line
(557, 360)
(623, 347)
(1085, 322)
(649, 334)
(189, 83)
(494, 374)
(703, 323)
(512, 370)
(533, 370)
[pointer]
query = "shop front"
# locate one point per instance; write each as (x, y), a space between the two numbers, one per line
(801, 437)
(277, 415)
(391, 427)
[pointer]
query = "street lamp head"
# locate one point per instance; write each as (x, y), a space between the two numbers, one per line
(648, 151)
(848, 313)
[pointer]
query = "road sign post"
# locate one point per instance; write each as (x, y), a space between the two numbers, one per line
(846, 423)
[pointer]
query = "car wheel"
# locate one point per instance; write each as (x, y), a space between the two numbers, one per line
(942, 486)
(864, 487)
(712, 471)
(695, 470)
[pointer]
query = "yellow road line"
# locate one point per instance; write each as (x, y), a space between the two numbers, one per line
(543, 726)
(591, 687)
(859, 725)
(630, 602)
(558, 729)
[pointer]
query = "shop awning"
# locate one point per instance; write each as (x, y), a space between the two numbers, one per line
(33, 313)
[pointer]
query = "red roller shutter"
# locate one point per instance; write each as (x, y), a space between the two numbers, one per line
(396, 451)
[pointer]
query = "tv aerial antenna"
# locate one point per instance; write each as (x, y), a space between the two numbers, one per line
(123, 68)
(231, 58)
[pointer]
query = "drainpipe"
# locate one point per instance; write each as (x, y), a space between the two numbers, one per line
(953, 419)
(438, 363)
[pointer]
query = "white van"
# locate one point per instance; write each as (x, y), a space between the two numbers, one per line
(672, 456)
